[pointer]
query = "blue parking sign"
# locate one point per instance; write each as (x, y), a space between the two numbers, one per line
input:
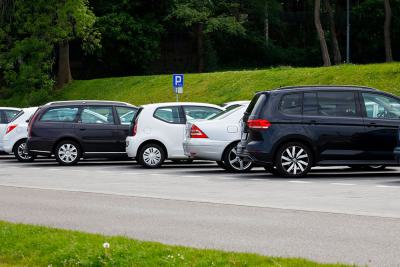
(177, 80)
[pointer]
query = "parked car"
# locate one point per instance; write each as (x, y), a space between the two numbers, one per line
(235, 104)
(216, 139)
(397, 149)
(72, 130)
(6, 115)
(14, 140)
(296, 128)
(158, 131)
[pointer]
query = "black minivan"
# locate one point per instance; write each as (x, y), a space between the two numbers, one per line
(291, 129)
(72, 130)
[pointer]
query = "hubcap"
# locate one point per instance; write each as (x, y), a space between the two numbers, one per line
(294, 160)
(152, 156)
(23, 152)
(68, 153)
(236, 162)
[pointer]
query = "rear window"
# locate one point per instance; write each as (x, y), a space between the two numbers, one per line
(256, 105)
(17, 116)
(10, 115)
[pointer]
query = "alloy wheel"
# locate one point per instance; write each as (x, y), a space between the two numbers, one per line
(22, 152)
(236, 163)
(295, 160)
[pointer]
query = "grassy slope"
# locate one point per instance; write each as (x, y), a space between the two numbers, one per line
(220, 87)
(27, 245)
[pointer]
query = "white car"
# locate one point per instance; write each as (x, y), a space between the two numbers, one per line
(216, 139)
(235, 104)
(14, 140)
(158, 131)
(6, 115)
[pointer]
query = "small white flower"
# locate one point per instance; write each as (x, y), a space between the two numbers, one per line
(106, 245)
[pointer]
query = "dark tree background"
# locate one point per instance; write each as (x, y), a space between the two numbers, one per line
(49, 43)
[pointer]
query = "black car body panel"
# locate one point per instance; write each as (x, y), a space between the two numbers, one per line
(347, 137)
(104, 137)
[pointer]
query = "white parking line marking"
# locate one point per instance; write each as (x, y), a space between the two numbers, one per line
(54, 169)
(342, 184)
(387, 186)
(157, 174)
(300, 182)
(259, 179)
(193, 176)
(134, 173)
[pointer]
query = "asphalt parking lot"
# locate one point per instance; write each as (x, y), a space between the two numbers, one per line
(334, 215)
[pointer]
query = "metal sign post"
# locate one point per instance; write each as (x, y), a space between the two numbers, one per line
(177, 85)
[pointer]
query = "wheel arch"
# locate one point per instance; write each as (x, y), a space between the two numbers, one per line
(65, 138)
(296, 138)
(19, 140)
(226, 148)
(154, 141)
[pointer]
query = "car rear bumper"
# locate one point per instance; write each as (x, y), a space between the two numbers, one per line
(205, 149)
(39, 146)
(132, 146)
(252, 152)
(7, 146)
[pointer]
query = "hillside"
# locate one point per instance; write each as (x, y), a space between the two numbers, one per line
(221, 87)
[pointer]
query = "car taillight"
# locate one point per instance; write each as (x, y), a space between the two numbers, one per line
(195, 132)
(31, 121)
(134, 130)
(10, 128)
(258, 124)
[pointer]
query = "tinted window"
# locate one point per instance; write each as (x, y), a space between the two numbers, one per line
(10, 114)
(168, 114)
(291, 104)
(97, 115)
(126, 114)
(199, 112)
(381, 106)
(337, 104)
(310, 104)
(63, 114)
(256, 106)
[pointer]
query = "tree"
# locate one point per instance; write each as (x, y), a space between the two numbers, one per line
(206, 17)
(337, 57)
(386, 27)
(321, 34)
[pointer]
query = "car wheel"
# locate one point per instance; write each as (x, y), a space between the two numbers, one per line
(151, 156)
(68, 153)
(293, 160)
(21, 152)
(221, 164)
(233, 163)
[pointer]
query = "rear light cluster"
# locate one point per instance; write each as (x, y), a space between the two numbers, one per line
(195, 132)
(10, 128)
(258, 124)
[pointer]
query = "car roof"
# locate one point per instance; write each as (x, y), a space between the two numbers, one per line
(156, 105)
(9, 108)
(320, 88)
(84, 102)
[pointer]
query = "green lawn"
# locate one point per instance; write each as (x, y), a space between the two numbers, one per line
(221, 87)
(28, 245)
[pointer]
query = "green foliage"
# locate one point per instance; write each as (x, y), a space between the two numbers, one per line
(26, 245)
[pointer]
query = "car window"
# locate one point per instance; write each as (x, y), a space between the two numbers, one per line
(381, 106)
(310, 104)
(97, 115)
(10, 115)
(199, 112)
(225, 113)
(126, 114)
(291, 104)
(337, 104)
(168, 114)
(64, 114)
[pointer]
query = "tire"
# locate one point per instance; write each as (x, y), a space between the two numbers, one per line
(21, 153)
(151, 156)
(221, 164)
(233, 163)
(293, 159)
(68, 153)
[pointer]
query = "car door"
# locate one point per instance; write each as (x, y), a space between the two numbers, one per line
(333, 119)
(170, 123)
(98, 130)
(125, 117)
(382, 121)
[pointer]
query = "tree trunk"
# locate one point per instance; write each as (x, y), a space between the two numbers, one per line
(386, 28)
(64, 70)
(321, 35)
(337, 56)
(266, 23)
(200, 48)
